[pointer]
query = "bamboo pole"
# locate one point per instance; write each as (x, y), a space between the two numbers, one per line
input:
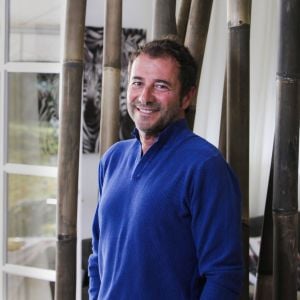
(195, 40)
(68, 154)
(182, 18)
(238, 110)
(264, 284)
(286, 155)
(164, 18)
(110, 112)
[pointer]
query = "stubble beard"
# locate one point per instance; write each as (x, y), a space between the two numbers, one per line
(159, 124)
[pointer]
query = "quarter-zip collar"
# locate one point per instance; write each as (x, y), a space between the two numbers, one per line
(170, 132)
(170, 135)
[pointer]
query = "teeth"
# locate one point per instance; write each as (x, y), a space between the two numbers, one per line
(146, 111)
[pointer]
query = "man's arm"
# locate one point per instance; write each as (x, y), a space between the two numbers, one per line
(94, 277)
(216, 226)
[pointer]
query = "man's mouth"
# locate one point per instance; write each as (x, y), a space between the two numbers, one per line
(147, 110)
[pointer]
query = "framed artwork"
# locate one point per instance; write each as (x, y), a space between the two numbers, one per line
(93, 55)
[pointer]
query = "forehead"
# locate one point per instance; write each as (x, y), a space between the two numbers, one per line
(145, 65)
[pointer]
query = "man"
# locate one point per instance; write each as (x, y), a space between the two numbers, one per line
(167, 225)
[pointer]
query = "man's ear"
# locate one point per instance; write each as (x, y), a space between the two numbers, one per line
(187, 99)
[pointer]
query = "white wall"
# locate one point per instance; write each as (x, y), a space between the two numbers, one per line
(136, 14)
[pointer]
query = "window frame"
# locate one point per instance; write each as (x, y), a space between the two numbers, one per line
(11, 168)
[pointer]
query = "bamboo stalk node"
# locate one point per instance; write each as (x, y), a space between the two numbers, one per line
(287, 78)
(73, 61)
(238, 12)
(65, 237)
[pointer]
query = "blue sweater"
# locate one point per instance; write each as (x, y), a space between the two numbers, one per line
(168, 224)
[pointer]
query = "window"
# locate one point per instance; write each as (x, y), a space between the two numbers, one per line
(34, 30)
(33, 118)
(30, 49)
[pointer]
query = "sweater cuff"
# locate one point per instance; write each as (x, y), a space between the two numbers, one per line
(94, 286)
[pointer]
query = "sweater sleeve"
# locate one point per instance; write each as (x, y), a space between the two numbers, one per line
(216, 226)
(93, 269)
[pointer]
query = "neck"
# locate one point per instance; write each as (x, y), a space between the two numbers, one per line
(147, 141)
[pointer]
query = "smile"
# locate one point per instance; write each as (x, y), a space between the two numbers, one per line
(146, 110)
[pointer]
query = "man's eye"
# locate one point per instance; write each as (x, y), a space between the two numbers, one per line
(136, 83)
(161, 87)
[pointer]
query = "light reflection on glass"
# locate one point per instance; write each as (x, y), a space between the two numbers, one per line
(33, 118)
(31, 221)
(34, 34)
(24, 288)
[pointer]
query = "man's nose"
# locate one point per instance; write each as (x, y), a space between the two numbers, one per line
(146, 95)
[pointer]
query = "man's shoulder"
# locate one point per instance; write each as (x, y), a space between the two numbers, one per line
(198, 147)
(118, 149)
(122, 145)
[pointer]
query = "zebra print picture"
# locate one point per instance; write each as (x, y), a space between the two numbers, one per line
(93, 55)
(48, 95)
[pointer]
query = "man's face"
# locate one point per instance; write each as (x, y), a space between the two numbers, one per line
(153, 95)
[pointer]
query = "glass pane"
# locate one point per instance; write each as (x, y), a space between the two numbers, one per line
(33, 118)
(24, 288)
(34, 34)
(31, 221)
